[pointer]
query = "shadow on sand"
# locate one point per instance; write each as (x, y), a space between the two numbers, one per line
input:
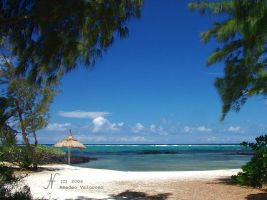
(40, 169)
(140, 195)
(259, 196)
(131, 195)
(227, 181)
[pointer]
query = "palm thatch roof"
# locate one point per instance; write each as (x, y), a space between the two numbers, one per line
(70, 142)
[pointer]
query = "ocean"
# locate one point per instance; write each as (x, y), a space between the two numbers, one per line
(165, 157)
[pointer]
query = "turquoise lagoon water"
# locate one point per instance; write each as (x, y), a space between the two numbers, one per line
(165, 157)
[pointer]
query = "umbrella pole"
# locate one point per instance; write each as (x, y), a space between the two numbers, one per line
(68, 155)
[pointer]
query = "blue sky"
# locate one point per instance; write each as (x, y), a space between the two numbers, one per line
(152, 87)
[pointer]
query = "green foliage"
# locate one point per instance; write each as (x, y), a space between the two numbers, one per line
(9, 188)
(212, 7)
(25, 158)
(254, 173)
(10, 185)
(241, 33)
(41, 40)
(31, 101)
(47, 154)
(49, 150)
(17, 155)
(23, 104)
(7, 136)
(51, 37)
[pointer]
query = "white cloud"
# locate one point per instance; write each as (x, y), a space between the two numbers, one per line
(139, 139)
(132, 139)
(188, 129)
(138, 127)
(211, 139)
(120, 124)
(82, 114)
(101, 124)
(157, 129)
(234, 129)
(106, 139)
(152, 127)
(203, 129)
(58, 127)
(161, 131)
(91, 139)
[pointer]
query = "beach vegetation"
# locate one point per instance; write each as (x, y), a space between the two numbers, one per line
(40, 41)
(26, 106)
(50, 38)
(240, 32)
(11, 185)
(254, 173)
(18, 156)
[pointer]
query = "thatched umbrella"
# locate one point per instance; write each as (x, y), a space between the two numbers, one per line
(70, 142)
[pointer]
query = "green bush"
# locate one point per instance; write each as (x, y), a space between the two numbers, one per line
(254, 173)
(45, 153)
(10, 188)
(25, 157)
(17, 155)
(42, 149)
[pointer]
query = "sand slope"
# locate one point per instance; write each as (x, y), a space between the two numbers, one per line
(68, 182)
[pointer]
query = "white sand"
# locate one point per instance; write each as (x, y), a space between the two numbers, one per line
(99, 183)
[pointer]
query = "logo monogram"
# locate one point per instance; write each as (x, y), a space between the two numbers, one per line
(51, 181)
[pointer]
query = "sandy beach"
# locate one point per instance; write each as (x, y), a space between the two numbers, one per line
(69, 182)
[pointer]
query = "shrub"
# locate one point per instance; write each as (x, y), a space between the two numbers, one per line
(11, 187)
(49, 150)
(254, 173)
(44, 154)
(17, 155)
(25, 158)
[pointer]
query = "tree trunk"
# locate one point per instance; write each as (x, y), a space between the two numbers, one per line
(25, 138)
(68, 156)
(35, 162)
(35, 139)
(24, 134)
(23, 131)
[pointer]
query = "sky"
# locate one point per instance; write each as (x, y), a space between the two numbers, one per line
(152, 88)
